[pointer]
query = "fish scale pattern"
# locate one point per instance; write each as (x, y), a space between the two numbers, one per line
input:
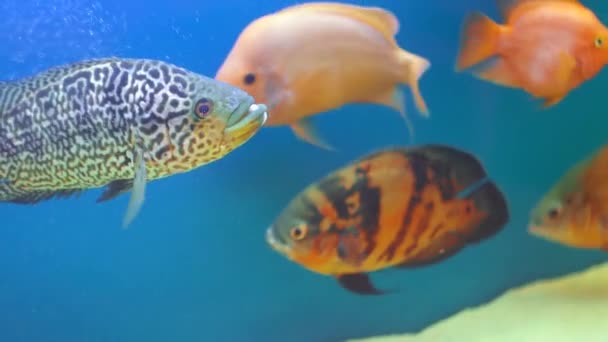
(77, 126)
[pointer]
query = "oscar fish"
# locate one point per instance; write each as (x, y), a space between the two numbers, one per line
(574, 212)
(545, 47)
(115, 123)
(315, 57)
(400, 207)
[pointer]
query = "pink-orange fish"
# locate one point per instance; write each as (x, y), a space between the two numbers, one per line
(315, 57)
(546, 47)
(575, 211)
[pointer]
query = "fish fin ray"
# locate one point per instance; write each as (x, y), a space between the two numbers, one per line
(415, 66)
(275, 91)
(359, 283)
(115, 189)
(506, 7)
(395, 99)
(35, 197)
(307, 131)
(139, 187)
(378, 18)
(479, 40)
(495, 70)
(463, 167)
(552, 101)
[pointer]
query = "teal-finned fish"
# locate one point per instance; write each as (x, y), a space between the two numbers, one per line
(117, 123)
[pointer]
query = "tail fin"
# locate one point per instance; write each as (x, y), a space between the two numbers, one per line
(463, 180)
(415, 67)
(478, 40)
(469, 180)
(489, 199)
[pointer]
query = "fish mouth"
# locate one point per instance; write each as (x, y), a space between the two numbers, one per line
(534, 229)
(245, 121)
(246, 113)
(275, 242)
(540, 231)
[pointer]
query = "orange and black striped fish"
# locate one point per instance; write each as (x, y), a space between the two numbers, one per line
(399, 207)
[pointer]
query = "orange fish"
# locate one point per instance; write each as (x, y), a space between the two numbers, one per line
(575, 211)
(545, 47)
(400, 207)
(315, 57)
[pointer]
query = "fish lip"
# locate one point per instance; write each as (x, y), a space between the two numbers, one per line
(275, 242)
(532, 228)
(535, 230)
(243, 124)
(245, 114)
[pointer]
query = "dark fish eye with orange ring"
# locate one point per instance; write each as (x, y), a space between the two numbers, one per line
(203, 108)
(298, 233)
(553, 213)
(599, 42)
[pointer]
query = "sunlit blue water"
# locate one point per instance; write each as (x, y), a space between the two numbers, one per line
(194, 266)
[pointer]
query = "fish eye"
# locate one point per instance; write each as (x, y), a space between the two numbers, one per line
(553, 213)
(599, 42)
(203, 108)
(298, 233)
(249, 79)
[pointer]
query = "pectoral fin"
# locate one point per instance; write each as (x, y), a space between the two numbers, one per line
(567, 64)
(305, 130)
(350, 247)
(552, 101)
(276, 91)
(115, 189)
(358, 283)
(139, 186)
(496, 70)
(395, 99)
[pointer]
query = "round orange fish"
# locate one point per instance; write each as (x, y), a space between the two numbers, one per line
(315, 57)
(545, 47)
(575, 211)
(400, 207)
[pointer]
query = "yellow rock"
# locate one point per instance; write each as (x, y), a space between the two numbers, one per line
(568, 309)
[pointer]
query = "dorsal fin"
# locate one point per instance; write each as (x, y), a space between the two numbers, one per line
(594, 180)
(506, 7)
(378, 18)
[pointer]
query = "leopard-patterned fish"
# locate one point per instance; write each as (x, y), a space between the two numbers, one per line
(116, 123)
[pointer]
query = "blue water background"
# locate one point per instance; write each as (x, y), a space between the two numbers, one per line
(194, 265)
